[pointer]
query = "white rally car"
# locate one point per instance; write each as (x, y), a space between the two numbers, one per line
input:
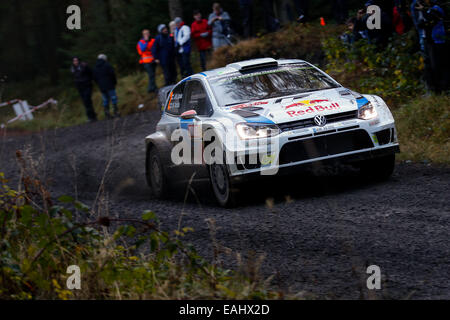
(265, 117)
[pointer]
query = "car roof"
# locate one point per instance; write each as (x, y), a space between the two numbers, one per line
(243, 66)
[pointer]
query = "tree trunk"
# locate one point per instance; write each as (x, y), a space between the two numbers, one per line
(175, 9)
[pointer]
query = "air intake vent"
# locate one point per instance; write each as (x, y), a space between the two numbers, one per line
(250, 65)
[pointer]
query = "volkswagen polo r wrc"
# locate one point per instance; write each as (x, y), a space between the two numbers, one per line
(265, 117)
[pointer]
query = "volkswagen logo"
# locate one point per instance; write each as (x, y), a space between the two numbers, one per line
(320, 120)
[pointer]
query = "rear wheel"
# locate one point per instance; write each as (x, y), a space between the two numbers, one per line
(379, 169)
(156, 176)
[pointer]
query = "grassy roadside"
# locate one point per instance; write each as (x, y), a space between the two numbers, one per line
(423, 124)
(131, 90)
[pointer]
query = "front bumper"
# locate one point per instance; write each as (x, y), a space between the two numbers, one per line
(345, 142)
(320, 163)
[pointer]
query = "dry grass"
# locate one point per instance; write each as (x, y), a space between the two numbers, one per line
(293, 42)
(424, 129)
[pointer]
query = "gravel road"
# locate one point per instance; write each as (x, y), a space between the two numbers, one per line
(316, 234)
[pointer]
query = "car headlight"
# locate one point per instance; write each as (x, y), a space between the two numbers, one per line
(248, 131)
(367, 112)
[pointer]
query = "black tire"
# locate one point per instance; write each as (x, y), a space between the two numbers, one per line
(224, 190)
(378, 169)
(156, 175)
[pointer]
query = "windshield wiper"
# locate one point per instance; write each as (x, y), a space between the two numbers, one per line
(314, 90)
(278, 95)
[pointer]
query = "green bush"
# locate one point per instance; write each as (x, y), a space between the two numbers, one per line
(40, 240)
(393, 72)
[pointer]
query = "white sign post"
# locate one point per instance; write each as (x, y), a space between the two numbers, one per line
(22, 110)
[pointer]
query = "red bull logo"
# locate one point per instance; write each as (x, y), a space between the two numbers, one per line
(306, 103)
(313, 109)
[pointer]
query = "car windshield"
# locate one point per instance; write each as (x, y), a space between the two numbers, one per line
(284, 81)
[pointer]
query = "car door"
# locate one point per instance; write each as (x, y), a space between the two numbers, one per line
(196, 98)
(173, 111)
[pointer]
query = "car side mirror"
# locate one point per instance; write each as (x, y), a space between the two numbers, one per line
(191, 114)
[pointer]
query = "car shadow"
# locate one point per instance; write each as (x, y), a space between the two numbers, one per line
(281, 189)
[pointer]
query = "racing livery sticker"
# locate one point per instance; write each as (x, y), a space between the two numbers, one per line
(259, 119)
(362, 102)
(247, 105)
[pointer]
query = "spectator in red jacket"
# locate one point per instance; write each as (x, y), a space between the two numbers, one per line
(201, 33)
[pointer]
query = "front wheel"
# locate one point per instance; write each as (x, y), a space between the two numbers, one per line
(379, 169)
(222, 185)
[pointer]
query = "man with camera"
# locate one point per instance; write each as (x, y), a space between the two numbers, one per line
(219, 21)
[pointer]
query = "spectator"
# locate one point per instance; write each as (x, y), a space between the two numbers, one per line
(353, 34)
(183, 47)
(272, 23)
(433, 23)
(340, 11)
(247, 17)
(417, 15)
(105, 77)
(400, 17)
(164, 54)
(82, 76)
(201, 32)
(360, 24)
(144, 48)
(219, 21)
(172, 28)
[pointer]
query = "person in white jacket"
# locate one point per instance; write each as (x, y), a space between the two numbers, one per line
(183, 47)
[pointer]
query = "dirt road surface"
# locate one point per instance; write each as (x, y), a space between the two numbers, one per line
(316, 234)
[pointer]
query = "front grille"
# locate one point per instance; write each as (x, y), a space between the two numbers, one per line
(325, 146)
(294, 125)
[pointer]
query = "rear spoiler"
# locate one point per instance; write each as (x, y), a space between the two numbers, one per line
(259, 66)
(249, 65)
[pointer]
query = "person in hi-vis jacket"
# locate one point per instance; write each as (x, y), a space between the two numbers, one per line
(144, 48)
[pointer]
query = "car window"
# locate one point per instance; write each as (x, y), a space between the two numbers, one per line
(287, 80)
(175, 100)
(196, 99)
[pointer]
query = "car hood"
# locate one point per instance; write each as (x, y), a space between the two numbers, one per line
(300, 107)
